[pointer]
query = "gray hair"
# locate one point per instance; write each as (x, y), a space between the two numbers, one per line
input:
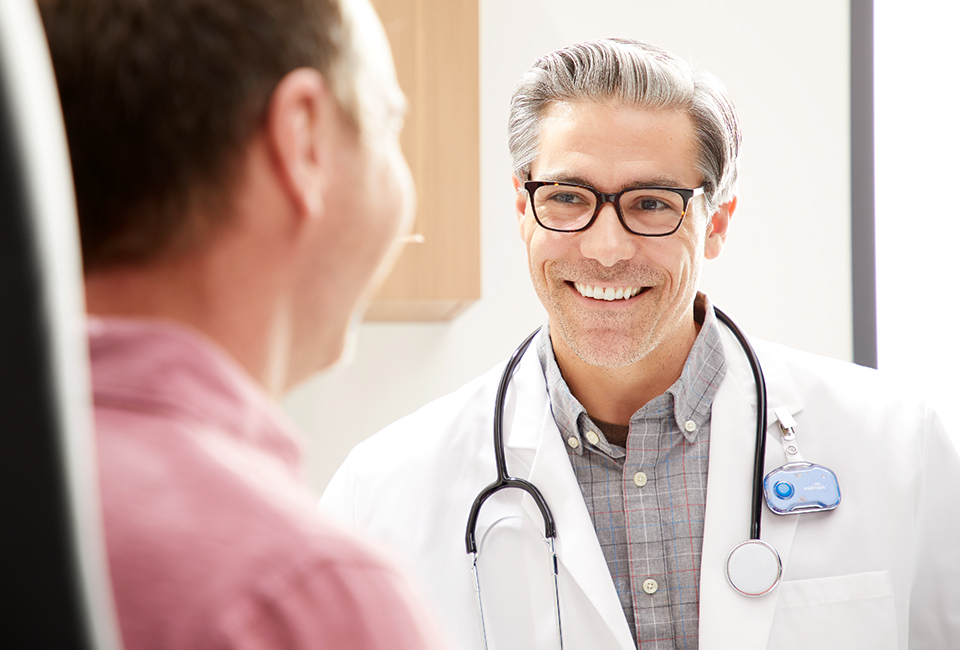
(633, 74)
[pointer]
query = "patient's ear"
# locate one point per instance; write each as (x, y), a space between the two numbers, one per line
(296, 113)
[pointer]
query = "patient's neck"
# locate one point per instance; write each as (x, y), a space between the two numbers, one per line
(238, 315)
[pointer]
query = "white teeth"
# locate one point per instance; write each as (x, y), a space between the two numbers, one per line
(609, 293)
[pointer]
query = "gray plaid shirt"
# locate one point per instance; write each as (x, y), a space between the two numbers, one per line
(647, 500)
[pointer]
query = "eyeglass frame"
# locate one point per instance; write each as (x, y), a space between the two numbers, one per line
(686, 193)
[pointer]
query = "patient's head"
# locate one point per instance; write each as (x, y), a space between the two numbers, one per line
(237, 166)
(160, 96)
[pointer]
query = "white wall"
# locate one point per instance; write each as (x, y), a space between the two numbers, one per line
(785, 272)
(918, 221)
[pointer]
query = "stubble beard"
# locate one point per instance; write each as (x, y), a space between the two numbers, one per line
(605, 339)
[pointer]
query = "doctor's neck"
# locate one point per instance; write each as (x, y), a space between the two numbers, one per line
(614, 394)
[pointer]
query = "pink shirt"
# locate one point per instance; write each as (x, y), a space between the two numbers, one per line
(213, 540)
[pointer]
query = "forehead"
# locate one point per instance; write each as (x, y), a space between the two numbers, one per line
(611, 146)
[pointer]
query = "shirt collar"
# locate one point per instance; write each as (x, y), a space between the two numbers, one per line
(163, 367)
(689, 399)
(692, 394)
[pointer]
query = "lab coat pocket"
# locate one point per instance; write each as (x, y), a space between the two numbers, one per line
(844, 612)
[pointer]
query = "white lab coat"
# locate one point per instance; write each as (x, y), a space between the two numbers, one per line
(881, 571)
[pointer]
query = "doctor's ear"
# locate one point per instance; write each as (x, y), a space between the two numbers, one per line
(520, 204)
(717, 227)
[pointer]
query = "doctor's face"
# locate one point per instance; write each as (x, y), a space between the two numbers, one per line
(646, 284)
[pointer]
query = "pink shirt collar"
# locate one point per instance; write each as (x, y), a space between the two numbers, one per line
(165, 367)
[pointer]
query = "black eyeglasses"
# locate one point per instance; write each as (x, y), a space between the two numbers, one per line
(644, 211)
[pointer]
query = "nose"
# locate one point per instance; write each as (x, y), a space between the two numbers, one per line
(607, 241)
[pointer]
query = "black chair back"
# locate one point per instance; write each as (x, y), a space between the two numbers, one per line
(53, 573)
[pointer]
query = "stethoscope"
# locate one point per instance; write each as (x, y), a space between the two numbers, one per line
(753, 567)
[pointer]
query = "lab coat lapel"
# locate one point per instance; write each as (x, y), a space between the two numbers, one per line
(729, 495)
(537, 438)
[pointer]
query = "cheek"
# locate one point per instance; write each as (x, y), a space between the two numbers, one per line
(691, 262)
(389, 197)
(404, 195)
(690, 245)
(527, 228)
(679, 256)
(544, 246)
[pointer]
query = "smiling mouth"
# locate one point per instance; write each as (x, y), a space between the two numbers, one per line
(607, 293)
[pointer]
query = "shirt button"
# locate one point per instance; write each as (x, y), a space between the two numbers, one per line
(690, 426)
(640, 479)
(573, 442)
(593, 437)
(650, 586)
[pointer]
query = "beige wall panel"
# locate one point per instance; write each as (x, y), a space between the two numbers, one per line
(435, 45)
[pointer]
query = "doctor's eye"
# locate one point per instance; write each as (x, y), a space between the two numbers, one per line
(650, 204)
(564, 196)
(651, 201)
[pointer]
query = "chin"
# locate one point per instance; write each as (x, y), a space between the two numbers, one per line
(613, 347)
(608, 355)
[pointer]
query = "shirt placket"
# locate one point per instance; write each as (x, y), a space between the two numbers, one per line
(646, 504)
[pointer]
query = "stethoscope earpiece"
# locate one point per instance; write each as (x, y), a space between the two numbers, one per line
(753, 568)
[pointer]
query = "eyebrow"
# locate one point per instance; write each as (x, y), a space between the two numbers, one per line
(655, 181)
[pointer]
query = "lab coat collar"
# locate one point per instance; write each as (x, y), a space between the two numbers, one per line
(532, 436)
(577, 547)
(782, 391)
(522, 426)
(729, 495)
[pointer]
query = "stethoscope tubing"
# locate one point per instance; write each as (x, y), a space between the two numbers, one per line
(504, 481)
(761, 441)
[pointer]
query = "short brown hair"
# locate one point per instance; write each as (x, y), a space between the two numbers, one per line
(159, 98)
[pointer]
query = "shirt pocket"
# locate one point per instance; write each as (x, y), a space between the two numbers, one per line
(844, 612)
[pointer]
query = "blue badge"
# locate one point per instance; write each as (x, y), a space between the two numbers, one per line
(801, 487)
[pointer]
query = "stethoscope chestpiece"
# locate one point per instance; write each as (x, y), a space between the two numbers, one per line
(754, 568)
